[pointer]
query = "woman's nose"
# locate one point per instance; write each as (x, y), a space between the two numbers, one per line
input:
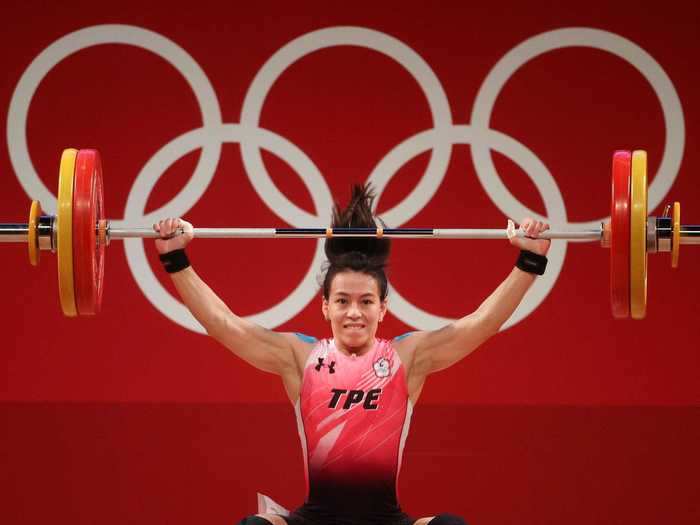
(354, 311)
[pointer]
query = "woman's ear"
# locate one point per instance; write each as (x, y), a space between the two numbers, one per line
(382, 310)
(324, 308)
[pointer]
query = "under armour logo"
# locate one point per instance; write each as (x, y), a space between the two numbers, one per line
(331, 367)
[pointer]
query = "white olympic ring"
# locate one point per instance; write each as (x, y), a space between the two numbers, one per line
(439, 140)
(578, 37)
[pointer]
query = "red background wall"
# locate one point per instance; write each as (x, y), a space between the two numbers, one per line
(568, 416)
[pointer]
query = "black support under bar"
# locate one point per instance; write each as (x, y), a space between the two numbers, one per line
(355, 231)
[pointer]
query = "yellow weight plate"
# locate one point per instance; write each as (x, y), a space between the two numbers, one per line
(64, 235)
(33, 233)
(676, 246)
(638, 236)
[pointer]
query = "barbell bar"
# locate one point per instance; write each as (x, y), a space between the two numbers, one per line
(80, 232)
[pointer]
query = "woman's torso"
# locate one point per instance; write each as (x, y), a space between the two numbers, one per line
(353, 416)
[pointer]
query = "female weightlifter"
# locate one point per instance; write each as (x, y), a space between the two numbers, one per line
(353, 394)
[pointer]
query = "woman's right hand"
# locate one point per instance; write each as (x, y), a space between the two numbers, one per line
(170, 239)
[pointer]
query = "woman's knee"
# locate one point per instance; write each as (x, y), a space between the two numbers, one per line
(447, 519)
(255, 520)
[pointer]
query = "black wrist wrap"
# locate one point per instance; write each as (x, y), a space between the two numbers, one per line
(531, 262)
(174, 261)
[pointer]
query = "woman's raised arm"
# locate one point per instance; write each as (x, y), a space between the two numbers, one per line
(264, 349)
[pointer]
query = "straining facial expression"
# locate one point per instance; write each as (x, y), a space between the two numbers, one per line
(354, 309)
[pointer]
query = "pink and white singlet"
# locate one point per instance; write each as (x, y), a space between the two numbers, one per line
(353, 417)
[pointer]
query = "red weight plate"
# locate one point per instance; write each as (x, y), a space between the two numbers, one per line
(101, 218)
(620, 235)
(88, 253)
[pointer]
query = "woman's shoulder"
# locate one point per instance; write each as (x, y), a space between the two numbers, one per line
(405, 345)
(402, 340)
(304, 338)
(401, 337)
(303, 345)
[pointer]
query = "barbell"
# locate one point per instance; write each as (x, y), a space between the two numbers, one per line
(79, 233)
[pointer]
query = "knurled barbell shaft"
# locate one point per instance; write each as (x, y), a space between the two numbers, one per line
(690, 234)
(312, 233)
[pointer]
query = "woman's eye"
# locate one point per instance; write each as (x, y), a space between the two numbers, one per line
(368, 301)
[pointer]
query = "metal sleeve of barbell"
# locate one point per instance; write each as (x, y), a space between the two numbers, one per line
(14, 232)
(690, 234)
(314, 233)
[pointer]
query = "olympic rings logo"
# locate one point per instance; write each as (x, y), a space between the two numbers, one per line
(252, 138)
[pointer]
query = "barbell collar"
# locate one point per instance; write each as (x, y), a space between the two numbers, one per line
(47, 232)
(652, 235)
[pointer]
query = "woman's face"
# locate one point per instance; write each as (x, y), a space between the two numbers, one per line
(354, 310)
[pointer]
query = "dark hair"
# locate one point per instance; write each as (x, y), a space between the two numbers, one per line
(360, 254)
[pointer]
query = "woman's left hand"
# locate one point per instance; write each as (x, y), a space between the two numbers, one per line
(531, 242)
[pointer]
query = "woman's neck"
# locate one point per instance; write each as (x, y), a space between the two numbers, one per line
(358, 351)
